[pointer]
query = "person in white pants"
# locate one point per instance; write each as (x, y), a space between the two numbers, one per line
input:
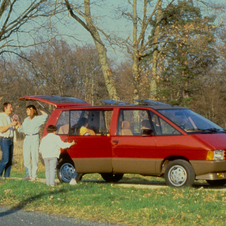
(50, 151)
(31, 127)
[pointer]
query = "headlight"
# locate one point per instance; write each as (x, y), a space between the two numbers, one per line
(218, 155)
(215, 155)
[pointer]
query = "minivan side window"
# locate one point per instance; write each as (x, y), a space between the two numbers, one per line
(63, 123)
(90, 122)
(134, 123)
(162, 127)
(143, 123)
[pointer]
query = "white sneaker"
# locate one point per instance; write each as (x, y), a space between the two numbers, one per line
(73, 182)
(33, 179)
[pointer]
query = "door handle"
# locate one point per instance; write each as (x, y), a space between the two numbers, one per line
(115, 141)
(72, 141)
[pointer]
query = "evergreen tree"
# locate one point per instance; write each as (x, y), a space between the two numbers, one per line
(188, 53)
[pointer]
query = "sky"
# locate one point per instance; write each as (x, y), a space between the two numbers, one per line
(111, 22)
(108, 17)
(108, 20)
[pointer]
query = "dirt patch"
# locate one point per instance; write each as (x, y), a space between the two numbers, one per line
(143, 186)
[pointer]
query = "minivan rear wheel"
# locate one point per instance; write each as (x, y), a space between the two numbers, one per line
(65, 169)
(110, 177)
(179, 173)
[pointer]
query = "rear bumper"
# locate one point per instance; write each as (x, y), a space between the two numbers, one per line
(209, 170)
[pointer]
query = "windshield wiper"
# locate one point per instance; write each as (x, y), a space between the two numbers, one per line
(209, 130)
(214, 130)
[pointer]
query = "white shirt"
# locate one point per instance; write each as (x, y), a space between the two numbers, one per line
(8, 119)
(50, 146)
(33, 126)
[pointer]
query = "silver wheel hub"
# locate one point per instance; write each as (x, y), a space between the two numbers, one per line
(66, 171)
(177, 175)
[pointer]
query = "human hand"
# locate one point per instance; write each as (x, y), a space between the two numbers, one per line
(73, 143)
(41, 111)
(19, 124)
(14, 123)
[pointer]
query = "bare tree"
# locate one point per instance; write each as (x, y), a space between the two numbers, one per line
(55, 68)
(137, 47)
(141, 43)
(58, 68)
(17, 20)
(85, 19)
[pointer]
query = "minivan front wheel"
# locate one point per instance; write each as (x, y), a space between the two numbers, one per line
(110, 177)
(179, 173)
(65, 169)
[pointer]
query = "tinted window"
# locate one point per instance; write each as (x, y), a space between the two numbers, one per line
(90, 122)
(134, 123)
(162, 127)
(59, 99)
(63, 123)
(189, 120)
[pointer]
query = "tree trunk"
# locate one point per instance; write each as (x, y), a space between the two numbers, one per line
(154, 74)
(135, 69)
(102, 52)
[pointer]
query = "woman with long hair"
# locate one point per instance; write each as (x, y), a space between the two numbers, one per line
(31, 127)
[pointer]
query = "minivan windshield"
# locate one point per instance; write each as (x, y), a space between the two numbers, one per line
(190, 121)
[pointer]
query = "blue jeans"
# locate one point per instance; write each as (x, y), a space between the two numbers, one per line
(7, 155)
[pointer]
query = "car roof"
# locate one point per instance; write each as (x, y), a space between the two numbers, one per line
(72, 102)
(57, 101)
(157, 105)
(106, 107)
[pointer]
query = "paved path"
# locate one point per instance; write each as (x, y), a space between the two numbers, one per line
(18, 217)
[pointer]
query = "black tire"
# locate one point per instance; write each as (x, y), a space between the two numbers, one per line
(179, 173)
(65, 169)
(110, 177)
(216, 182)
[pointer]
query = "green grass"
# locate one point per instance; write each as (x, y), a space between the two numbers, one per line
(106, 202)
(94, 200)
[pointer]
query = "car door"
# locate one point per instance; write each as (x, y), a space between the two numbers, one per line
(92, 153)
(173, 142)
(133, 150)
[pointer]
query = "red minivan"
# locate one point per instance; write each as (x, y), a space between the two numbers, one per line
(152, 139)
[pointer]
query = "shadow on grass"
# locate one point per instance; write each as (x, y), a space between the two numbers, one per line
(23, 203)
(197, 185)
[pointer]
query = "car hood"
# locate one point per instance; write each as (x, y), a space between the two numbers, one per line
(216, 141)
(57, 101)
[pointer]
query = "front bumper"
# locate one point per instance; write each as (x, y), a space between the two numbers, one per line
(209, 170)
(212, 176)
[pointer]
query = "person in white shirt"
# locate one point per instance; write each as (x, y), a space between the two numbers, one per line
(50, 150)
(6, 139)
(31, 127)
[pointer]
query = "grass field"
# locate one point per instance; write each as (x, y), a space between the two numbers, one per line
(137, 201)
